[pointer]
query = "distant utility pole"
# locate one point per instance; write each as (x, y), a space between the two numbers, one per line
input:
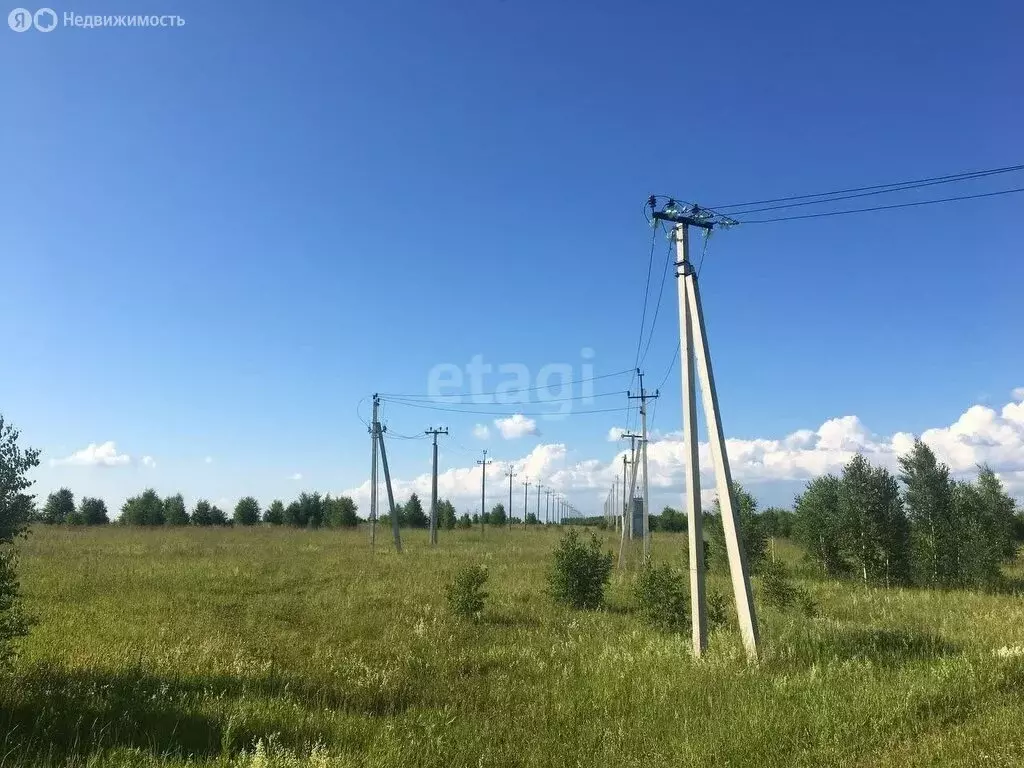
(526, 499)
(510, 474)
(627, 508)
(632, 437)
(547, 507)
(539, 487)
(693, 344)
(433, 486)
(483, 488)
(643, 397)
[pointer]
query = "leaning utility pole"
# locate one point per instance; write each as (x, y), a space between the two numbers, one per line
(526, 499)
(693, 343)
(373, 473)
(433, 486)
(391, 496)
(483, 488)
(643, 397)
(510, 474)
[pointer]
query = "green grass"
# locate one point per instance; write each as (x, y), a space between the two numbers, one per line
(280, 648)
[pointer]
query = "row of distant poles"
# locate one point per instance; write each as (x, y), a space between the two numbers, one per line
(556, 508)
(694, 353)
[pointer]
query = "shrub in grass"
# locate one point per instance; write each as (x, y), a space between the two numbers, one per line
(780, 591)
(718, 610)
(580, 572)
(465, 593)
(662, 598)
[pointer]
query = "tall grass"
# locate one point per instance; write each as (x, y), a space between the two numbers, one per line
(283, 647)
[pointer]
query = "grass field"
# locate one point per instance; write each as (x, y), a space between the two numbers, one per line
(280, 647)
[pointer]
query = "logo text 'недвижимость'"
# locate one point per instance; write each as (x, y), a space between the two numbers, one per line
(47, 20)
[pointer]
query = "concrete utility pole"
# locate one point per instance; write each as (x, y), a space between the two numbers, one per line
(643, 397)
(510, 474)
(633, 438)
(627, 511)
(539, 487)
(693, 344)
(373, 473)
(391, 496)
(526, 499)
(483, 488)
(433, 486)
(547, 507)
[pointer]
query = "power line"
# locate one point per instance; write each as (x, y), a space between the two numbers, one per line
(647, 296)
(657, 307)
(496, 413)
(432, 396)
(897, 184)
(886, 207)
(416, 400)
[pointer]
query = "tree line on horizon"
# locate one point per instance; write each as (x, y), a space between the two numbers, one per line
(310, 510)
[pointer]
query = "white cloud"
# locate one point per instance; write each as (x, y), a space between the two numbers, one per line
(615, 433)
(296, 476)
(516, 426)
(481, 432)
(148, 461)
(1018, 394)
(981, 435)
(95, 455)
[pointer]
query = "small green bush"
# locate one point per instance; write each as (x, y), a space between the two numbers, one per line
(718, 610)
(580, 572)
(661, 594)
(465, 592)
(780, 591)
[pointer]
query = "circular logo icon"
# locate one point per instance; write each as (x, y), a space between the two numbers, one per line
(45, 19)
(20, 19)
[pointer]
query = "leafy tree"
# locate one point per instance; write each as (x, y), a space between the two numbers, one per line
(93, 511)
(340, 512)
(671, 520)
(147, 509)
(872, 522)
(15, 508)
(934, 535)
(247, 511)
(413, 514)
(497, 515)
(531, 519)
(985, 514)
(999, 512)
(777, 522)
(446, 517)
(293, 515)
(751, 531)
(895, 532)
(817, 524)
(311, 512)
(174, 510)
(60, 505)
(274, 514)
(203, 513)
(465, 521)
(218, 515)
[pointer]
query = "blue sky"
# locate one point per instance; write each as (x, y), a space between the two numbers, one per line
(217, 239)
